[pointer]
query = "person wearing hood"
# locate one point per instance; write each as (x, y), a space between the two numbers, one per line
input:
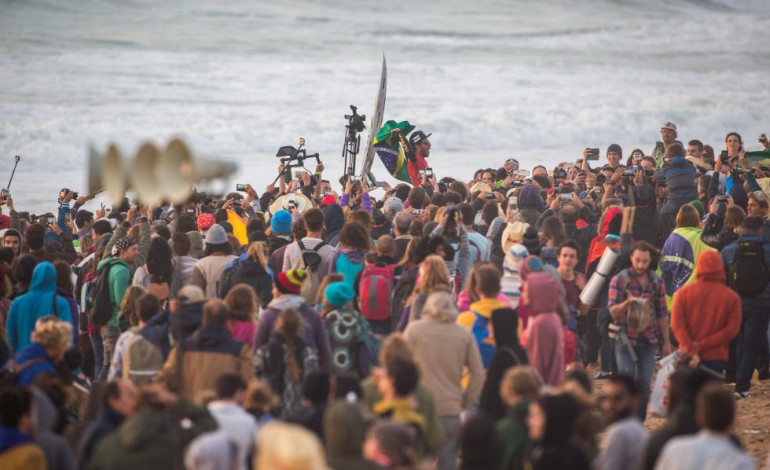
(531, 206)
(286, 294)
(51, 340)
(207, 354)
(509, 353)
(545, 332)
(17, 450)
(41, 300)
(334, 220)
(344, 431)
(124, 254)
(550, 422)
(155, 435)
(58, 453)
(355, 243)
(706, 314)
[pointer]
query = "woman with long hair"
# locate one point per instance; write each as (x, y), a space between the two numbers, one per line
(553, 236)
(243, 313)
(285, 360)
(155, 276)
(251, 268)
(127, 315)
(433, 276)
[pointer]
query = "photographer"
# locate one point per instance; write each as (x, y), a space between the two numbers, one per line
(719, 230)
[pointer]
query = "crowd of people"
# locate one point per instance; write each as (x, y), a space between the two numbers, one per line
(443, 324)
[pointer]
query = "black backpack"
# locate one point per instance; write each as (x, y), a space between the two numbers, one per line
(748, 272)
(311, 259)
(248, 272)
(100, 302)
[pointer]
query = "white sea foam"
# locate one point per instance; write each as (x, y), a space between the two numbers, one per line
(490, 79)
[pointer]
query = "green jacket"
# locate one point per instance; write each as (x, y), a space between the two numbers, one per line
(145, 237)
(513, 433)
(119, 280)
(152, 438)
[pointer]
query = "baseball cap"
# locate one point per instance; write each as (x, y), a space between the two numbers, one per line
(669, 125)
(417, 137)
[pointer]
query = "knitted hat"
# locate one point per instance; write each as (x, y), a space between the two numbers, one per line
(339, 293)
(216, 235)
(615, 148)
(328, 200)
(281, 222)
(122, 244)
(531, 241)
(529, 265)
(290, 282)
(205, 221)
(698, 205)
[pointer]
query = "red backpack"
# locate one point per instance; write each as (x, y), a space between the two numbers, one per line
(376, 290)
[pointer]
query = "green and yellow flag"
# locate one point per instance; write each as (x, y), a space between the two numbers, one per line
(393, 148)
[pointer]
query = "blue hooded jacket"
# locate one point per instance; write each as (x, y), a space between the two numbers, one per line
(38, 302)
(33, 351)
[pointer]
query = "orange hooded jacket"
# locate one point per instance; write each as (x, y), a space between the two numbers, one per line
(706, 314)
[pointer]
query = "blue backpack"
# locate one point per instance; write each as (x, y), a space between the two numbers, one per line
(484, 338)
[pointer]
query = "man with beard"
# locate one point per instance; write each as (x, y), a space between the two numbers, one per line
(625, 437)
(638, 339)
(668, 133)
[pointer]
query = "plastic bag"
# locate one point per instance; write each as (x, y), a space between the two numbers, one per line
(667, 366)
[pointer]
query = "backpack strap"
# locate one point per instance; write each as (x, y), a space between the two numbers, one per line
(18, 368)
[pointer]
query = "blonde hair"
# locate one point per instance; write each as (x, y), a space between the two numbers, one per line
(258, 251)
(521, 381)
(434, 276)
(440, 306)
(242, 302)
(52, 333)
(288, 447)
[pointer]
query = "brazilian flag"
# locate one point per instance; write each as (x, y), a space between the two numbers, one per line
(761, 157)
(393, 148)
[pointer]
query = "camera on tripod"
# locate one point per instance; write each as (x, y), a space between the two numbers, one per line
(293, 158)
(355, 120)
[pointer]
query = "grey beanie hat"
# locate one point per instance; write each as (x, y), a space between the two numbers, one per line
(216, 235)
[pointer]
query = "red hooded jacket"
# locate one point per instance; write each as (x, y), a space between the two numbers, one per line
(706, 314)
